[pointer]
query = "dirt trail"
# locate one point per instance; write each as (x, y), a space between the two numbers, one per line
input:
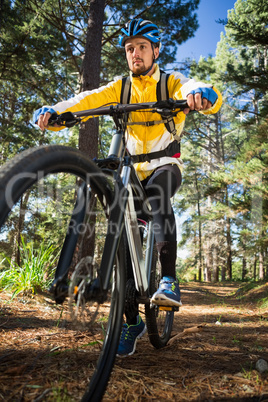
(215, 364)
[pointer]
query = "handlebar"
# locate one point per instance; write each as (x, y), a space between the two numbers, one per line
(168, 108)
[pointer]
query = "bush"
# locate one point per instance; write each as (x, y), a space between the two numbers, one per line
(34, 274)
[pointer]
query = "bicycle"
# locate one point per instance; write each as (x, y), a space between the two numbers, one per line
(105, 205)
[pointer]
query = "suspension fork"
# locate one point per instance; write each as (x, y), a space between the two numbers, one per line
(141, 268)
(59, 286)
(149, 250)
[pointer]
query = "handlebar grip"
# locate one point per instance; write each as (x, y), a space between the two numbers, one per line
(53, 119)
(181, 103)
(172, 104)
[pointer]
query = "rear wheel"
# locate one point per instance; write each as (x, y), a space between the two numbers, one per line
(37, 192)
(159, 322)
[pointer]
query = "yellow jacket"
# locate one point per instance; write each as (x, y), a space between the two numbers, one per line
(142, 139)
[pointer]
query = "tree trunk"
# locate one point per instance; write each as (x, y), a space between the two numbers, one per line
(261, 266)
(244, 269)
(255, 268)
(228, 225)
(20, 224)
(90, 75)
(215, 264)
(209, 261)
(229, 249)
(200, 254)
(200, 269)
(211, 225)
(266, 264)
(89, 131)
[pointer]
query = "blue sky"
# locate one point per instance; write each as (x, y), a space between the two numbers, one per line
(207, 36)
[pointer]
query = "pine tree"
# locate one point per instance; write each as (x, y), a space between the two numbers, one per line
(242, 55)
(236, 196)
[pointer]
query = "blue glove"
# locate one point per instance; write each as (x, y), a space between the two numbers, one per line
(207, 93)
(40, 111)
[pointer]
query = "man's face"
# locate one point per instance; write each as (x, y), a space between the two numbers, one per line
(140, 54)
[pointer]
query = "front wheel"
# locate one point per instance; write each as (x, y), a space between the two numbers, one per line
(37, 193)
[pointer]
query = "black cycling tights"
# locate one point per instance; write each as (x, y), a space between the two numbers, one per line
(160, 187)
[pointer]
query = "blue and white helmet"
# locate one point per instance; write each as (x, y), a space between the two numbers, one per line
(140, 27)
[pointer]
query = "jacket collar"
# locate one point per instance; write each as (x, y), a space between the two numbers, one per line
(155, 75)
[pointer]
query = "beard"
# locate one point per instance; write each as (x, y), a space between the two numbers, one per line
(140, 69)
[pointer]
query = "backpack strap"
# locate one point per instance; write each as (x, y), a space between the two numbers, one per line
(162, 94)
(162, 88)
(125, 91)
(172, 150)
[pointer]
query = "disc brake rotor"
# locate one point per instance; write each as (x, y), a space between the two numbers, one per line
(81, 311)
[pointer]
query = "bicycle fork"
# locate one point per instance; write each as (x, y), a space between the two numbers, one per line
(141, 267)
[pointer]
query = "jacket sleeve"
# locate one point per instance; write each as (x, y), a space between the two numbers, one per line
(182, 86)
(108, 94)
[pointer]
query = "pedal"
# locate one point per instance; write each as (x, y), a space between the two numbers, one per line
(165, 308)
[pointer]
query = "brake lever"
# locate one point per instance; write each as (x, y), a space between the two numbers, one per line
(171, 105)
(167, 112)
(66, 119)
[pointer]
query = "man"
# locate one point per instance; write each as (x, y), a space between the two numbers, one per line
(161, 178)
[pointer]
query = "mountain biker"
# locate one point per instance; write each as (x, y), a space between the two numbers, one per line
(161, 178)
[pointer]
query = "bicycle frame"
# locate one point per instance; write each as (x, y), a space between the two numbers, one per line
(123, 213)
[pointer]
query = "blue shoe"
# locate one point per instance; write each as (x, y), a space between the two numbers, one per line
(129, 336)
(168, 293)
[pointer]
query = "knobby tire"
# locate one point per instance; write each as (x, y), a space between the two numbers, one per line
(19, 175)
(159, 323)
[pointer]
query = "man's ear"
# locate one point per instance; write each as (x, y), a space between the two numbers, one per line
(156, 52)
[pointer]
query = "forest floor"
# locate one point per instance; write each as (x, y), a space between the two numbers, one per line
(43, 358)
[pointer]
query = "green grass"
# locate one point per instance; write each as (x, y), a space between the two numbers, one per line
(245, 288)
(34, 273)
(263, 303)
